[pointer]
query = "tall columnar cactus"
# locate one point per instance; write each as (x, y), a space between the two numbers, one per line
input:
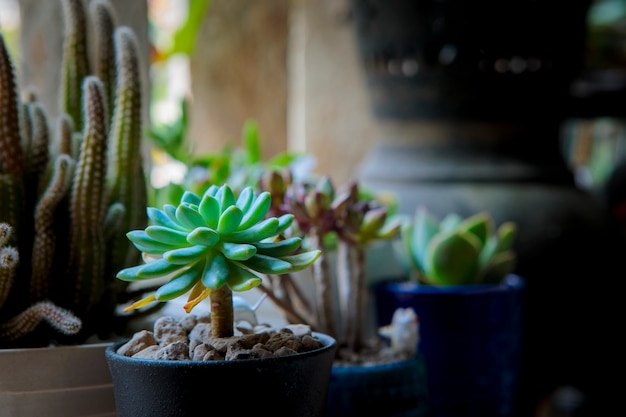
(70, 189)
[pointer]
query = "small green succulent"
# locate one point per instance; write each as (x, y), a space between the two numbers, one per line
(457, 251)
(213, 245)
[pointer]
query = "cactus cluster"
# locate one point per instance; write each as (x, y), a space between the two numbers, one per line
(212, 245)
(70, 187)
(456, 250)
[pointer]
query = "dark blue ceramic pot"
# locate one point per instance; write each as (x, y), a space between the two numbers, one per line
(290, 386)
(470, 337)
(391, 390)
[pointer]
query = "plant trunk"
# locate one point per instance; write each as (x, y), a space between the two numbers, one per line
(323, 290)
(222, 316)
(352, 289)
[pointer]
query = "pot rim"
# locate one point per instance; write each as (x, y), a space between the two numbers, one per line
(511, 282)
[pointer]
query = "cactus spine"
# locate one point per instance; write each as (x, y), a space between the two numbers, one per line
(69, 194)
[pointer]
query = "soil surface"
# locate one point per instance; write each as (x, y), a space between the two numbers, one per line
(190, 339)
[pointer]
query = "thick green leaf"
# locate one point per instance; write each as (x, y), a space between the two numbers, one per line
(186, 256)
(181, 283)
(302, 260)
(277, 249)
(450, 221)
(263, 230)
(229, 220)
(241, 279)
(157, 268)
(452, 259)
(225, 197)
(238, 251)
(257, 211)
(159, 218)
(216, 273)
(189, 217)
(245, 199)
(145, 243)
(191, 198)
(209, 208)
(506, 235)
(267, 265)
(166, 235)
(203, 236)
(284, 222)
(417, 236)
(480, 225)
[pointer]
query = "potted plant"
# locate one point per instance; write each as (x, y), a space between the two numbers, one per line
(469, 302)
(208, 247)
(71, 188)
(346, 224)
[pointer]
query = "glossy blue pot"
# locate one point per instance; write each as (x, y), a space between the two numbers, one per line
(470, 337)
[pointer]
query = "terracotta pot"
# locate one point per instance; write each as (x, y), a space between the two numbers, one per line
(294, 386)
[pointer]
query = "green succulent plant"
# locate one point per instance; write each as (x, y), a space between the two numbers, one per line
(213, 245)
(457, 251)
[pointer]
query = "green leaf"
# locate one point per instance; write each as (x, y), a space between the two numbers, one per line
(450, 221)
(225, 197)
(211, 191)
(166, 235)
(302, 260)
(185, 38)
(181, 283)
(190, 198)
(245, 199)
(267, 228)
(418, 235)
(242, 280)
(452, 258)
(267, 265)
(159, 218)
(216, 273)
(186, 256)
(284, 222)
(257, 211)
(189, 217)
(150, 270)
(157, 268)
(144, 243)
(277, 249)
(203, 236)
(229, 220)
(238, 251)
(251, 142)
(390, 229)
(209, 208)
(480, 225)
(170, 211)
(506, 235)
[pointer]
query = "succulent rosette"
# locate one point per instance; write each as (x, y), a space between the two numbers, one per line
(217, 240)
